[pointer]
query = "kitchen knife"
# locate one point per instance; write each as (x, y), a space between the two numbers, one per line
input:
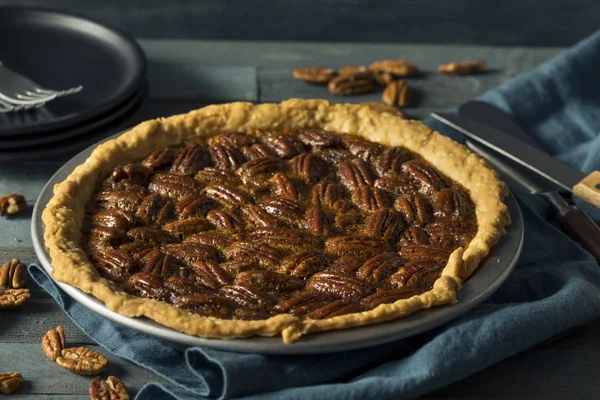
(570, 179)
(574, 222)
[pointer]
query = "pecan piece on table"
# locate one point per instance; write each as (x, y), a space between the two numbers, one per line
(397, 93)
(53, 343)
(395, 67)
(316, 75)
(352, 69)
(10, 382)
(382, 77)
(110, 389)
(13, 274)
(462, 68)
(12, 298)
(12, 204)
(82, 361)
(351, 84)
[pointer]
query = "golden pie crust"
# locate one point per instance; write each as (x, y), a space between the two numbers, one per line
(64, 214)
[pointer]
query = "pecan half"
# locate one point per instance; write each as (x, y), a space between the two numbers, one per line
(451, 203)
(159, 264)
(10, 382)
(160, 159)
(395, 67)
(414, 235)
(347, 265)
(318, 221)
(337, 284)
(269, 281)
(305, 264)
(396, 185)
(215, 175)
(194, 206)
(255, 151)
(256, 216)
(284, 209)
(192, 250)
(462, 68)
(391, 160)
(246, 296)
(317, 137)
(217, 240)
(191, 160)
(206, 304)
(388, 296)
(227, 195)
(335, 308)
(134, 173)
(13, 274)
(327, 193)
(284, 186)
(385, 224)
(222, 220)
(368, 198)
(174, 186)
(348, 220)
(110, 389)
(155, 209)
(316, 75)
(137, 249)
(152, 235)
(415, 209)
(82, 361)
(232, 139)
(352, 69)
(11, 298)
(397, 93)
(259, 166)
(304, 302)
(422, 252)
(382, 77)
(284, 146)
(211, 275)
(309, 167)
(113, 218)
(355, 173)
(454, 232)
(180, 286)
(122, 200)
(115, 264)
(185, 227)
(428, 179)
(378, 268)
(351, 84)
(12, 204)
(53, 343)
(361, 148)
(225, 157)
(359, 246)
(146, 285)
(285, 238)
(252, 252)
(416, 274)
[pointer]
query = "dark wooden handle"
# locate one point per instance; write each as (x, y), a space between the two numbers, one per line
(581, 228)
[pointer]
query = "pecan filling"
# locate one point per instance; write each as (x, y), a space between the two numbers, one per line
(306, 222)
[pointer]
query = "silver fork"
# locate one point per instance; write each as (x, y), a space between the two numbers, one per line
(19, 90)
(6, 107)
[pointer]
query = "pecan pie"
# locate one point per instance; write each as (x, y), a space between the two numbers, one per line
(237, 219)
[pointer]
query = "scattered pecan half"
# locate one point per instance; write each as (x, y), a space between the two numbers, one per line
(10, 382)
(395, 67)
(317, 75)
(352, 70)
(12, 204)
(110, 389)
(351, 84)
(13, 274)
(82, 361)
(53, 343)
(397, 93)
(12, 298)
(462, 68)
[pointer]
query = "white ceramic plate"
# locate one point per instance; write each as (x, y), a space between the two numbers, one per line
(486, 281)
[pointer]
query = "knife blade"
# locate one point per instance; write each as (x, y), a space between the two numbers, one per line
(570, 179)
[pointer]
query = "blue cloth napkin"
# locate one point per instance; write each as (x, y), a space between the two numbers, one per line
(555, 286)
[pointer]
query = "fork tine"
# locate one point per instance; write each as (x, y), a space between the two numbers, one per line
(36, 95)
(15, 101)
(34, 98)
(60, 93)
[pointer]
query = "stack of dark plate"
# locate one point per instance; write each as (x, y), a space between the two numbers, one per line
(60, 51)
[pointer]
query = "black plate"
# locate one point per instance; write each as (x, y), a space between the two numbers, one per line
(65, 149)
(59, 51)
(21, 143)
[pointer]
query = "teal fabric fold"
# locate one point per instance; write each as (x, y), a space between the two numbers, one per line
(554, 288)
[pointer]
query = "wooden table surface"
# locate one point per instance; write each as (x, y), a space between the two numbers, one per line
(188, 74)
